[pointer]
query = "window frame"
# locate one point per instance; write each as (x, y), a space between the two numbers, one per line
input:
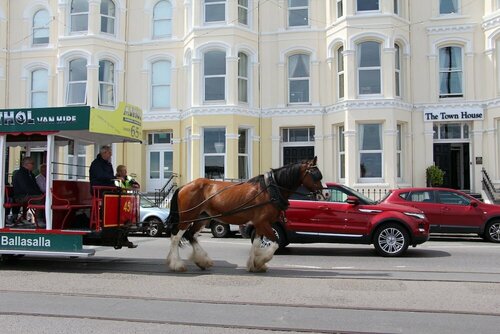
(39, 91)
(367, 10)
(399, 151)
(291, 9)
(339, 8)
(205, 154)
(214, 3)
(36, 28)
(308, 79)
(168, 20)
(285, 141)
(378, 68)
(73, 14)
(245, 154)
(76, 82)
(243, 79)
(214, 76)
(341, 152)
(244, 9)
(450, 71)
(110, 84)
(379, 151)
(109, 18)
(167, 84)
(397, 71)
(340, 73)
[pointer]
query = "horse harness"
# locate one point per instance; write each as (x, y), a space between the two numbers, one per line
(276, 197)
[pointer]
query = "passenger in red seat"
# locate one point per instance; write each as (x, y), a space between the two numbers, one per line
(101, 169)
(24, 183)
(123, 180)
(41, 178)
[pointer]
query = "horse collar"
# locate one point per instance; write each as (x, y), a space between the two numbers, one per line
(273, 189)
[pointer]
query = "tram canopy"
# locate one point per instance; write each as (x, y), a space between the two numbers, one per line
(80, 122)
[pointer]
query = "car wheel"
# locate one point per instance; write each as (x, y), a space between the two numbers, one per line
(220, 230)
(492, 231)
(280, 235)
(391, 240)
(154, 227)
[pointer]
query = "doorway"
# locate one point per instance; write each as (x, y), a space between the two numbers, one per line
(454, 160)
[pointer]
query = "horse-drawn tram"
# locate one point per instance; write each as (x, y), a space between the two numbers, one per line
(69, 215)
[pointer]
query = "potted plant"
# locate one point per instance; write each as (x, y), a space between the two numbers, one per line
(434, 176)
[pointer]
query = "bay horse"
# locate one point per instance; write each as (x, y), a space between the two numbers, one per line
(260, 201)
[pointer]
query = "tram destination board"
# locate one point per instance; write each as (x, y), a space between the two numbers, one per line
(41, 242)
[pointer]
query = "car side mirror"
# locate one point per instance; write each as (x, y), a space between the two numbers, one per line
(353, 200)
(474, 204)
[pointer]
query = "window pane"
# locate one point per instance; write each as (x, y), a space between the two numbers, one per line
(107, 25)
(78, 6)
(243, 167)
(371, 165)
(214, 89)
(39, 80)
(342, 166)
(41, 22)
(161, 72)
(78, 70)
(39, 100)
(448, 197)
(106, 71)
(368, 5)
(161, 97)
(242, 65)
(79, 22)
(242, 141)
(451, 83)
(370, 137)
(214, 140)
(450, 131)
(76, 93)
(369, 54)
(341, 86)
(298, 3)
(242, 90)
(154, 165)
(162, 138)
(298, 17)
(215, 63)
(450, 58)
(299, 91)
(340, 8)
(299, 134)
(298, 66)
(369, 82)
(214, 167)
(215, 12)
(106, 95)
(107, 8)
(168, 164)
(448, 6)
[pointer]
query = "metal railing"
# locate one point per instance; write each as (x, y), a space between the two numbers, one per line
(162, 196)
(375, 194)
(489, 189)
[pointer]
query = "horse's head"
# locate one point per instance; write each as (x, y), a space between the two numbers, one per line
(311, 175)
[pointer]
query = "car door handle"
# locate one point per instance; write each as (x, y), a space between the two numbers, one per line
(445, 209)
(324, 208)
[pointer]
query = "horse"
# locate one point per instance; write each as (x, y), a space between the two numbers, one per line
(260, 201)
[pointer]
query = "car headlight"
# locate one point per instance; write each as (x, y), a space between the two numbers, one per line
(416, 215)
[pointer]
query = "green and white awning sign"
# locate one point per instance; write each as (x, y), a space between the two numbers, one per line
(124, 121)
(44, 119)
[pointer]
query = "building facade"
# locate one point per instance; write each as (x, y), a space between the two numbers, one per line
(377, 89)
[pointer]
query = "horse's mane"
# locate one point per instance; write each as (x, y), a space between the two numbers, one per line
(286, 176)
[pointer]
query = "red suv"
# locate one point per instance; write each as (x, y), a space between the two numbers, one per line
(346, 216)
(451, 211)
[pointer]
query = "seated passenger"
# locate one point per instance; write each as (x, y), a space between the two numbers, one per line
(24, 184)
(42, 177)
(123, 180)
(101, 169)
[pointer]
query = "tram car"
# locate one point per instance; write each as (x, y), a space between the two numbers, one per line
(70, 215)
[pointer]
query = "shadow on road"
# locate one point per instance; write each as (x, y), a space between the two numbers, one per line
(357, 252)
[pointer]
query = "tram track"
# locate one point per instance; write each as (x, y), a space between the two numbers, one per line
(209, 313)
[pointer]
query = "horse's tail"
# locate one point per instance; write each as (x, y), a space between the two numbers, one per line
(173, 217)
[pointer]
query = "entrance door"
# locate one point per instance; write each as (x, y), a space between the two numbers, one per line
(160, 165)
(453, 159)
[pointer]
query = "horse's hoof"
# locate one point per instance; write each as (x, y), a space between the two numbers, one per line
(254, 269)
(179, 267)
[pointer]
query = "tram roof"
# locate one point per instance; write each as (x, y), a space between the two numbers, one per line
(83, 123)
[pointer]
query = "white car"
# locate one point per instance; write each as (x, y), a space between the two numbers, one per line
(152, 218)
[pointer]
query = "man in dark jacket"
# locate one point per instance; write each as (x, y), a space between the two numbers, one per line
(25, 187)
(101, 170)
(101, 174)
(24, 182)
